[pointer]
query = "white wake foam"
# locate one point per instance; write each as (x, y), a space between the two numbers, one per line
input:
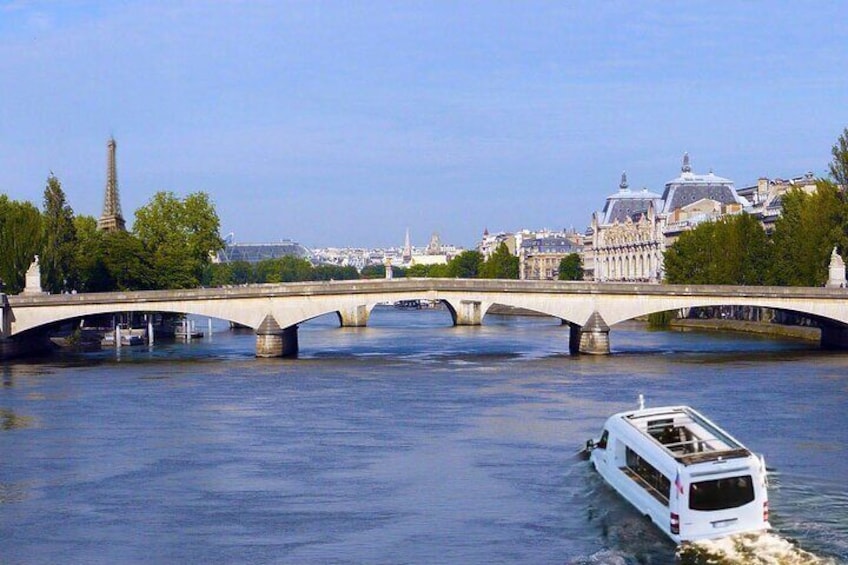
(759, 549)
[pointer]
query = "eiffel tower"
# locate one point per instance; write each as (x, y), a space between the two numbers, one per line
(111, 219)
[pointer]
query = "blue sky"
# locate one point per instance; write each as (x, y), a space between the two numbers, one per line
(344, 123)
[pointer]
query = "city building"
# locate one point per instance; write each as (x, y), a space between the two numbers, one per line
(693, 198)
(539, 256)
(766, 197)
(256, 252)
(627, 239)
(489, 243)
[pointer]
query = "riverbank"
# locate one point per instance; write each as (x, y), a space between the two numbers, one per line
(764, 328)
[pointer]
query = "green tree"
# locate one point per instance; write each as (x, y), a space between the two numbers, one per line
(690, 259)
(502, 264)
(333, 273)
(379, 272)
(91, 272)
(466, 265)
(571, 268)
(839, 165)
(127, 262)
(180, 235)
(20, 242)
(242, 272)
(283, 269)
(732, 250)
(218, 274)
(418, 271)
(809, 227)
(58, 271)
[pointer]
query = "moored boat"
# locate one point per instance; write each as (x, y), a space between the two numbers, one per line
(693, 479)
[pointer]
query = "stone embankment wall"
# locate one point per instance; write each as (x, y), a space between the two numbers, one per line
(766, 328)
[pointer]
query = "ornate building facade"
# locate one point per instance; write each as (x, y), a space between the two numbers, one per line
(627, 239)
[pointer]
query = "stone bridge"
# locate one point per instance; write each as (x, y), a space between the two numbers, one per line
(275, 310)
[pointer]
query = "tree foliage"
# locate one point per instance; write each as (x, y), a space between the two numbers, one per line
(91, 271)
(839, 165)
(20, 242)
(58, 270)
(127, 263)
(502, 264)
(379, 272)
(180, 235)
(571, 268)
(732, 250)
(810, 226)
(466, 265)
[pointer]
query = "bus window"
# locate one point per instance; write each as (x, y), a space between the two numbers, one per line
(721, 494)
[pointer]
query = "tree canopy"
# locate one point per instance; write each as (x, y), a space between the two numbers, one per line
(501, 265)
(20, 242)
(180, 235)
(732, 250)
(571, 268)
(466, 265)
(58, 269)
(809, 227)
(839, 165)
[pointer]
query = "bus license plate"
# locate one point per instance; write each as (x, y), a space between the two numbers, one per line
(723, 523)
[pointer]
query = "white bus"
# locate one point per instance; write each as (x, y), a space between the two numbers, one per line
(693, 479)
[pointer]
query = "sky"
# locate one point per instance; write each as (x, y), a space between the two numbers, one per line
(344, 123)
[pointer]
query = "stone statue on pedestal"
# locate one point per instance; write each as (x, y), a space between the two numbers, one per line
(836, 271)
(33, 278)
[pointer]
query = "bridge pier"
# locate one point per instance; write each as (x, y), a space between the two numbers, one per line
(834, 336)
(591, 338)
(354, 317)
(274, 341)
(467, 312)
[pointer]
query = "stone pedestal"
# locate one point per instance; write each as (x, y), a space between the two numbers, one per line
(594, 336)
(355, 317)
(274, 341)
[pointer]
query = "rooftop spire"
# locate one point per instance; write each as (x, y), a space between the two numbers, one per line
(686, 168)
(623, 184)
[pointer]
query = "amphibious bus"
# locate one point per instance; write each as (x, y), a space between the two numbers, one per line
(693, 479)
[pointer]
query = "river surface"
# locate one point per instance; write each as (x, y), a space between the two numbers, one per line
(409, 441)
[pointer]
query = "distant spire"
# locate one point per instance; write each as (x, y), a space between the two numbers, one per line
(686, 168)
(111, 219)
(623, 184)
(407, 247)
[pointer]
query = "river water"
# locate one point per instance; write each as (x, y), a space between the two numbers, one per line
(409, 441)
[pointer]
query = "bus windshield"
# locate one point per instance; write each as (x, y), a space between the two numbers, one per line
(721, 494)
